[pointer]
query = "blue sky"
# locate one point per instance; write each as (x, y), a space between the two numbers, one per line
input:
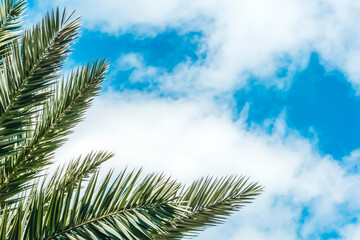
(203, 87)
(319, 104)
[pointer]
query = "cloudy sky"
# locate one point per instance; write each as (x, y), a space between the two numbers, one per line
(265, 88)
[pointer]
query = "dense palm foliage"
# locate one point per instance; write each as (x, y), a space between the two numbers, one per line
(38, 109)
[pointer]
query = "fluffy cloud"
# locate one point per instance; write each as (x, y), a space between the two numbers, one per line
(351, 232)
(241, 38)
(189, 138)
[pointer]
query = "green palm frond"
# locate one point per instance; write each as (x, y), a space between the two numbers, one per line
(5, 219)
(77, 170)
(125, 209)
(55, 121)
(11, 13)
(28, 71)
(209, 202)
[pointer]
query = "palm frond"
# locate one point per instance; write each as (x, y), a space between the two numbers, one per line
(5, 217)
(28, 71)
(11, 13)
(125, 209)
(77, 170)
(55, 121)
(209, 202)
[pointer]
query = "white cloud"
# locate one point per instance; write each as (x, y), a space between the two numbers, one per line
(351, 232)
(129, 61)
(189, 138)
(140, 71)
(241, 37)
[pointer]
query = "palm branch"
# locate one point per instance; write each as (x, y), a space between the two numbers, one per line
(123, 209)
(28, 71)
(209, 202)
(11, 14)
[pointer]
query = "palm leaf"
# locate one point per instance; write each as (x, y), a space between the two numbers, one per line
(209, 202)
(77, 170)
(27, 73)
(124, 209)
(61, 113)
(10, 23)
(5, 217)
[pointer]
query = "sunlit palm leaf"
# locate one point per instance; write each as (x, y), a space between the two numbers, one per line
(125, 209)
(77, 170)
(209, 202)
(59, 115)
(27, 73)
(10, 23)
